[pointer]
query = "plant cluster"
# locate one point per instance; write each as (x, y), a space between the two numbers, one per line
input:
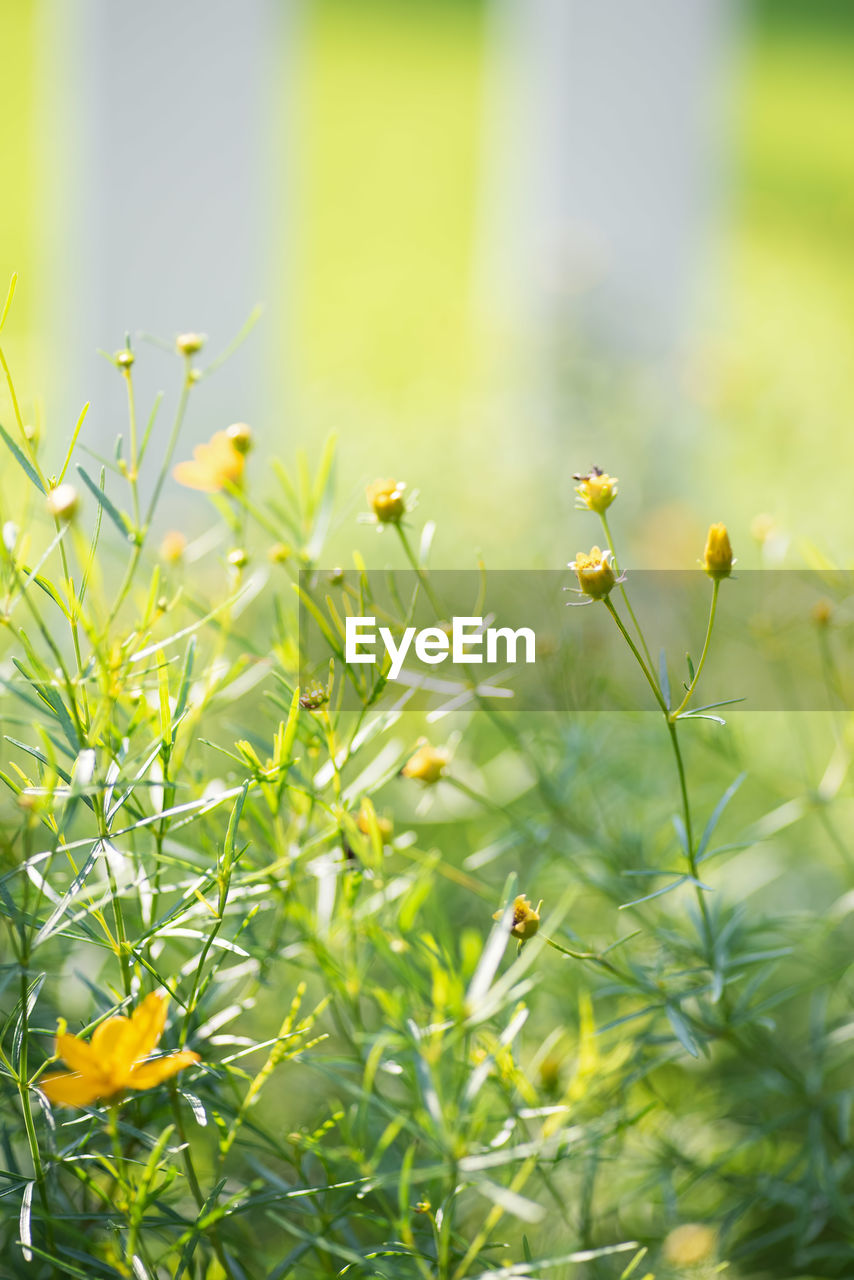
(275, 998)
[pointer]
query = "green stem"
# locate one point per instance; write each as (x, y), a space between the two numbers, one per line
(644, 668)
(623, 591)
(133, 477)
(674, 715)
(142, 531)
(422, 576)
(680, 769)
(26, 1108)
(689, 834)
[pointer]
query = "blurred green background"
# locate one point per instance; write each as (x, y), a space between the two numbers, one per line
(373, 327)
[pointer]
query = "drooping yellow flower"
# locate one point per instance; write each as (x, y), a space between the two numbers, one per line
(385, 498)
(117, 1057)
(717, 557)
(427, 764)
(214, 465)
(526, 919)
(689, 1244)
(595, 572)
(597, 490)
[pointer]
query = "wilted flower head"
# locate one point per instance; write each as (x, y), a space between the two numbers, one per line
(314, 696)
(689, 1244)
(117, 1057)
(595, 572)
(213, 466)
(385, 498)
(526, 919)
(62, 502)
(717, 557)
(427, 764)
(597, 490)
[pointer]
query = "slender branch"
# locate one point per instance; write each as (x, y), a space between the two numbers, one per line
(674, 715)
(644, 668)
(623, 592)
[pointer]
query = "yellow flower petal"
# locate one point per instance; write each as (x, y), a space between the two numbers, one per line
(147, 1023)
(77, 1054)
(72, 1090)
(148, 1074)
(213, 465)
(110, 1041)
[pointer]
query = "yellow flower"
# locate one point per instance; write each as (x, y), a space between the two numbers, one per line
(385, 498)
(427, 764)
(213, 465)
(526, 919)
(595, 572)
(689, 1244)
(597, 490)
(173, 546)
(717, 557)
(117, 1057)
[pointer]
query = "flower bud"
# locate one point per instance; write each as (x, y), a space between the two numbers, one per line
(597, 490)
(367, 818)
(595, 572)
(385, 498)
(279, 553)
(689, 1244)
(717, 557)
(124, 358)
(238, 558)
(240, 436)
(173, 546)
(62, 502)
(822, 612)
(526, 919)
(427, 764)
(189, 343)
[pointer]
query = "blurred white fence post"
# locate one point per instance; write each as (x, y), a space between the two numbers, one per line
(602, 165)
(165, 192)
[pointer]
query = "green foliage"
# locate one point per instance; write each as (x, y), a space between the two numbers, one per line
(387, 1085)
